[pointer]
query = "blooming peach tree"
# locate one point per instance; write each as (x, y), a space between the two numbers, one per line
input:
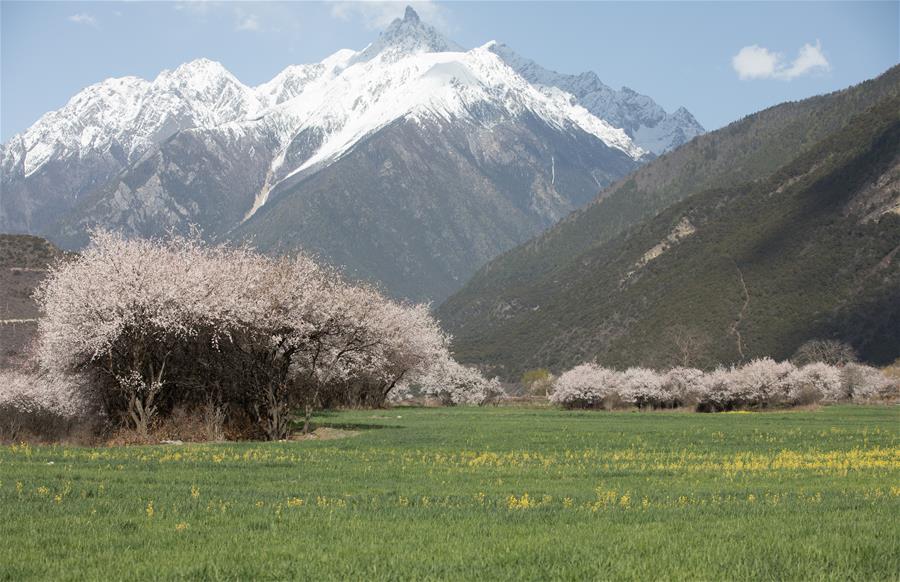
(159, 324)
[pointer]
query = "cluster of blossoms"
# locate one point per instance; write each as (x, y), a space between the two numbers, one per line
(453, 383)
(29, 393)
(760, 383)
(38, 402)
(147, 326)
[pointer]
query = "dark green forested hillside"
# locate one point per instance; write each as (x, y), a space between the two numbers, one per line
(731, 272)
(747, 150)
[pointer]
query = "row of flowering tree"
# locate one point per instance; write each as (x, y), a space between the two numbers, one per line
(135, 329)
(759, 384)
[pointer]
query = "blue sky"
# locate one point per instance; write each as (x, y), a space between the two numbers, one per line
(720, 60)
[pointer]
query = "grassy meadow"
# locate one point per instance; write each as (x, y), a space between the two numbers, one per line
(473, 493)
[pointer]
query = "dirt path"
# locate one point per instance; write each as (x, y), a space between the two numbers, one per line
(734, 327)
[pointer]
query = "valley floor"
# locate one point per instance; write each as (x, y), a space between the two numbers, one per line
(468, 493)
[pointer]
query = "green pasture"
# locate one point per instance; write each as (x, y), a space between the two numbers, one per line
(473, 494)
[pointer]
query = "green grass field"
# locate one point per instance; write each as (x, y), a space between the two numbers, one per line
(493, 493)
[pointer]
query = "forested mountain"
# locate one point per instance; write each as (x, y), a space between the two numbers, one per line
(745, 242)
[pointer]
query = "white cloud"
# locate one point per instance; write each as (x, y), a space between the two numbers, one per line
(84, 18)
(756, 62)
(809, 59)
(271, 17)
(377, 14)
(249, 22)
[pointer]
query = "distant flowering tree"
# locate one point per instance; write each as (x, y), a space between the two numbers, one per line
(759, 383)
(157, 324)
(864, 383)
(820, 380)
(643, 388)
(453, 383)
(715, 390)
(587, 386)
(683, 386)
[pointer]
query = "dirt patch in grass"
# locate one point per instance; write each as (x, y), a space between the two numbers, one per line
(325, 433)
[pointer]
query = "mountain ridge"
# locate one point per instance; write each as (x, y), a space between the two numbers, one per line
(516, 304)
(196, 147)
(648, 124)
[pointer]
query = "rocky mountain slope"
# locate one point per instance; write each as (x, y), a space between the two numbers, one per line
(291, 162)
(24, 261)
(645, 122)
(777, 229)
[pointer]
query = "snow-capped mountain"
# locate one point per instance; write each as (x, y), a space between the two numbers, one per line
(196, 146)
(645, 122)
(135, 114)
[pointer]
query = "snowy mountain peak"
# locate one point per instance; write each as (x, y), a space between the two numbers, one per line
(683, 114)
(404, 37)
(288, 84)
(198, 76)
(203, 66)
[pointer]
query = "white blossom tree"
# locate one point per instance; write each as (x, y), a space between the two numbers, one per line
(453, 383)
(156, 324)
(587, 386)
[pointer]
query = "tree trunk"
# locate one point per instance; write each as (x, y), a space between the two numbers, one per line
(306, 417)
